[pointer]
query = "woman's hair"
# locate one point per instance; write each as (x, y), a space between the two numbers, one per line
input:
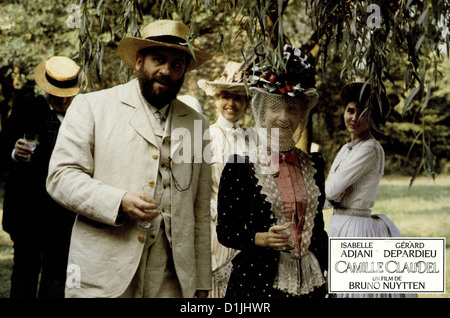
(361, 93)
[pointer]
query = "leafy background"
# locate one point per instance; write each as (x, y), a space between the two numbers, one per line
(415, 136)
(415, 75)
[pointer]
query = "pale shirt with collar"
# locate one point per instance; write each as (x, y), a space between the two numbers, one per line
(58, 115)
(163, 112)
(163, 131)
(227, 138)
(360, 164)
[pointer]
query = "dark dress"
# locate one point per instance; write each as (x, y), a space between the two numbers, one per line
(39, 227)
(242, 212)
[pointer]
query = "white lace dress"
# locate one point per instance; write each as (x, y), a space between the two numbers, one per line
(351, 190)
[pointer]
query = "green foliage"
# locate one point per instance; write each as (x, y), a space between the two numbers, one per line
(32, 31)
(401, 137)
(104, 22)
(428, 121)
(371, 36)
(402, 55)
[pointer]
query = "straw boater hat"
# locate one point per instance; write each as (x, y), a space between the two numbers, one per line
(166, 33)
(58, 76)
(230, 80)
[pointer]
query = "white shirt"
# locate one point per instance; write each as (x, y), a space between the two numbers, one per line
(359, 164)
(163, 112)
(227, 138)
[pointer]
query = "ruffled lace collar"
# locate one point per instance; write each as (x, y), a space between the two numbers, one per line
(225, 123)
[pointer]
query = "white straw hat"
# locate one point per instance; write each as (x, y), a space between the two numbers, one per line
(230, 80)
(58, 76)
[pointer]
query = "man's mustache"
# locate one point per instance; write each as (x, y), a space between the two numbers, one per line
(164, 80)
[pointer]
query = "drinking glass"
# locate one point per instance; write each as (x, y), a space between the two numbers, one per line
(286, 217)
(149, 225)
(32, 141)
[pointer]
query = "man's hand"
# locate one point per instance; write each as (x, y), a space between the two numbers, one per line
(139, 206)
(22, 151)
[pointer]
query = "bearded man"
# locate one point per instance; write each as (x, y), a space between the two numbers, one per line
(127, 242)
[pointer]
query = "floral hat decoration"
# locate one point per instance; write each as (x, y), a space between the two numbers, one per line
(286, 83)
(292, 76)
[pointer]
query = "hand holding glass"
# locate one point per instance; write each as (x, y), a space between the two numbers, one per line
(146, 225)
(32, 142)
(286, 218)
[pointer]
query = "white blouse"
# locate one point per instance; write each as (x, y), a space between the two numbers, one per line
(227, 138)
(359, 164)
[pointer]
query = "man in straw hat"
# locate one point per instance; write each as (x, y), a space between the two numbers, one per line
(39, 227)
(142, 228)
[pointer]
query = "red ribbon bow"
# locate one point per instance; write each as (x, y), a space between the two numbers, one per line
(287, 157)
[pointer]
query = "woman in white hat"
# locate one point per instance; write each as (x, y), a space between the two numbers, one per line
(227, 138)
(286, 259)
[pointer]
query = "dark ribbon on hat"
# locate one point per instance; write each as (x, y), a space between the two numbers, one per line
(61, 84)
(168, 39)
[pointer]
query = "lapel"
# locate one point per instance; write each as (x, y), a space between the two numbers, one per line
(144, 124)
(140, 121)
(179, 126)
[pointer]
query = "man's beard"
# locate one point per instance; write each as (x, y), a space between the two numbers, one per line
(156, 99)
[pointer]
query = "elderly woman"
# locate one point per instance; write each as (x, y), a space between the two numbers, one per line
(227, 138)
(286, 259)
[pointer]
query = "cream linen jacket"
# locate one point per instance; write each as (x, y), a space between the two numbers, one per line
(106, 146)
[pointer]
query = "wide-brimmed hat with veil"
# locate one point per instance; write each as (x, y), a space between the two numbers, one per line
(282, 98)
(291, 90)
